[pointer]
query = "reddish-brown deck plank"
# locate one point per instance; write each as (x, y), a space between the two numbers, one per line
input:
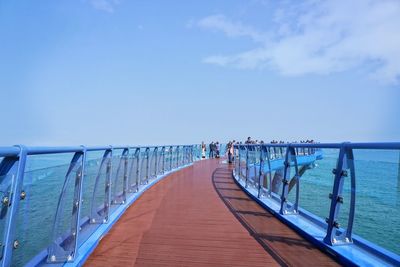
(182, 221)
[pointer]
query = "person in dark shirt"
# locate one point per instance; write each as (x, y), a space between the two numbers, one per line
(230, 152)
(248, 141)
(217, 149)
(211, 154)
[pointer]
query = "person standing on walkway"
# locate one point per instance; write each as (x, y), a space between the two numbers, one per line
(230, 152)
(217, 149)
(211, 153)
(203, 150)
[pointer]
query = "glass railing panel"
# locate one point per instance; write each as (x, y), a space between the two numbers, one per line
(167, 159)
(316, 182)
(36, 214)
(144, 167)
(242, 163)
(174, 158)
(133, 178)
(118, 172)
(160, 162)
(377, 212)
(274, 171)
(277, 153)
(236, 161)
(178, 156)
(223, 150)
(183, 154)
(36, 162)
(6, 182)
(92, 166)
(266, 174)
(95, 199)
(153, 163)
(197, 152)
(253, 162)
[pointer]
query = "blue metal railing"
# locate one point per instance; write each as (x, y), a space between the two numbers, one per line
(270, 172)
(48, 213)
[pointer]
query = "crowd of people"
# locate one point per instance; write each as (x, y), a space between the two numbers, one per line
(214, 148)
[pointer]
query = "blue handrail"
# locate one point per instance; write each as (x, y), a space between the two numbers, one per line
(70, 227)
(139, 166)
(280, 159)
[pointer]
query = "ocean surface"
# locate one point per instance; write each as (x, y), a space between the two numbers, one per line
(377, 212)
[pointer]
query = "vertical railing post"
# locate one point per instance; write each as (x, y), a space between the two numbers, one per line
(187, 155)
(138, 168)
(147, 154)
(183, 161)
(163, 159)
(247, 166)
(107, 189)
(285, 181)
(289, 158)
(10, 243)
(177, 157)
(333, 235)
(240, 159)
(183, 155)
(125, 154)
(155, 152)
(268, 149)
(171, 157)
(261, 171)
(78, 197)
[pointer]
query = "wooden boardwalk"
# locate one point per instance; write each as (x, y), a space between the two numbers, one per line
(200, 217)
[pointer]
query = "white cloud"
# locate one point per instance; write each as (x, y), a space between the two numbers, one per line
(104, 5)
(320, 37)
(231, 29)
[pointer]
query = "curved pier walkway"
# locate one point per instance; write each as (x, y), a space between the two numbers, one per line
(199, 217)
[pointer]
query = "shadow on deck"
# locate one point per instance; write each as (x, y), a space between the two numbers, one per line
(181, 221)
(281, 242)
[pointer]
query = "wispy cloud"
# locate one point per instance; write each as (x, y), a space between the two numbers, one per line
(320, 37)
(231, 29)
(105, 5)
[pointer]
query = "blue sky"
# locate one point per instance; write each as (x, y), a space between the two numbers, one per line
(153, 72)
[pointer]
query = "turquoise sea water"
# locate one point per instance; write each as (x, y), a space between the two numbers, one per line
(377, 200)
(377, 212)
